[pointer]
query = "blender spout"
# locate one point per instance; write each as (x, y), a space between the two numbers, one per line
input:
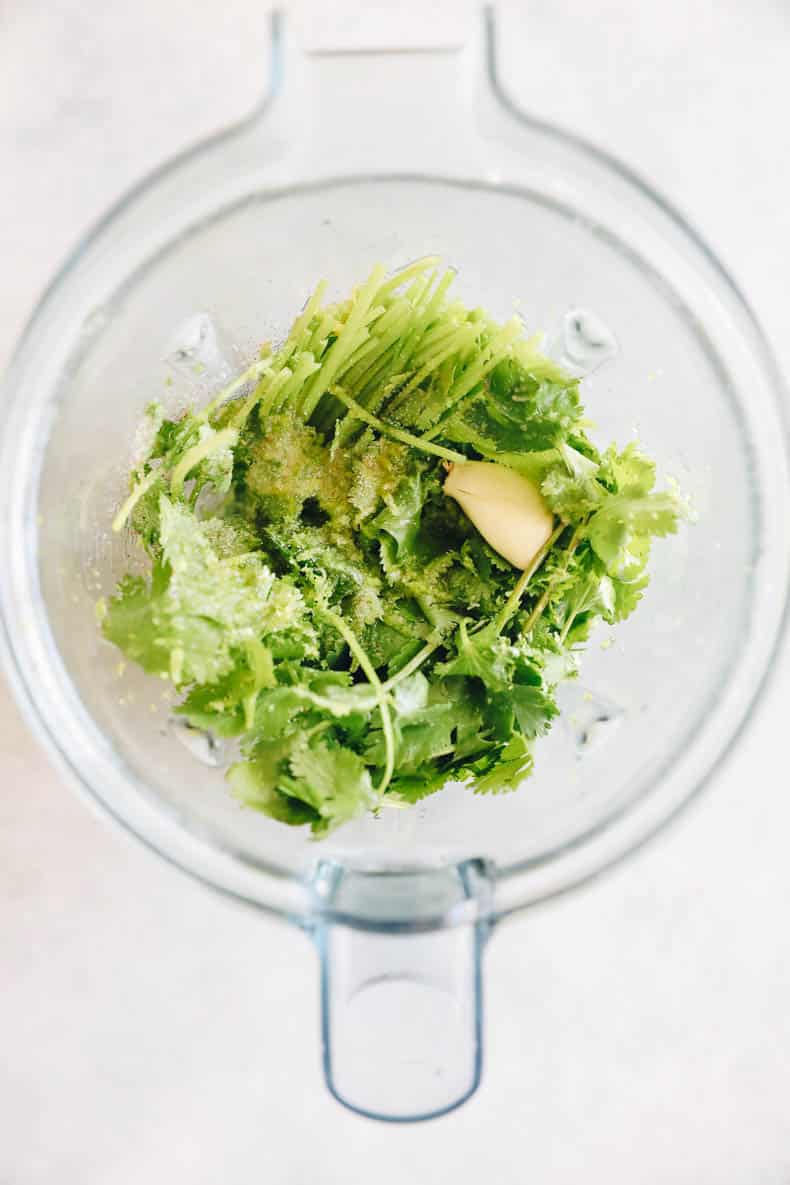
(401, 986)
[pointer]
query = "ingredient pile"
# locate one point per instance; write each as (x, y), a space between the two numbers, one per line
(377, 552)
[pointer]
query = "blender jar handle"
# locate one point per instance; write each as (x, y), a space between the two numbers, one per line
(348, 92)
(401, 987)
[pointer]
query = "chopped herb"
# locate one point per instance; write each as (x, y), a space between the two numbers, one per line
(375, 554)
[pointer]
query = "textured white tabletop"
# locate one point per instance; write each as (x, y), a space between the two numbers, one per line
(637, 1032)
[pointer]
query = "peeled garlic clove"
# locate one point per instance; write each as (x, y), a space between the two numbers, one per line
(505, 506)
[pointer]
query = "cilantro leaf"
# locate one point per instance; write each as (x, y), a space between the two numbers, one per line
(132, 621)
(381, 466)
(401, 516)
(571, 488)
(630, 471)
(534, 710)
(198, 609)
(514, 765)
(484, 654)
(421, 738)
(627, 595)
(621, 529)
(414, 787)
(255, 782)
(518, 412)
(334, 781)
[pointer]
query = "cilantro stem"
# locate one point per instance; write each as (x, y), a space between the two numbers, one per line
(498, 348)
(396, 433)
(566, 629)
(366, 363)
(193, 456)
(414, 663)
(252, 372)
(305, 365)
(361, 656)
(316, 343)
(457, 342)
(544, 599)
(437, 336)
(264, 394)
(302, 322)
(512, 603)
(406, 273)
(326, 704)
(129, 504)
(350, 334)
(438, 295)
(455, 411)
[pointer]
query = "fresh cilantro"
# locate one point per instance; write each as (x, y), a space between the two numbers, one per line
(334, 781)
(485, 654)
(314, 593)
(255, 782)
(514, 764)
(534, 710)
(198, 609)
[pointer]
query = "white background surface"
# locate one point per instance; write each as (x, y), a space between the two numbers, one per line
(638, 1032)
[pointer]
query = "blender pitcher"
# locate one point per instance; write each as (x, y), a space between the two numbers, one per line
(386, 151)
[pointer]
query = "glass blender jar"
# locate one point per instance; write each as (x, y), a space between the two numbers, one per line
(389, 153)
